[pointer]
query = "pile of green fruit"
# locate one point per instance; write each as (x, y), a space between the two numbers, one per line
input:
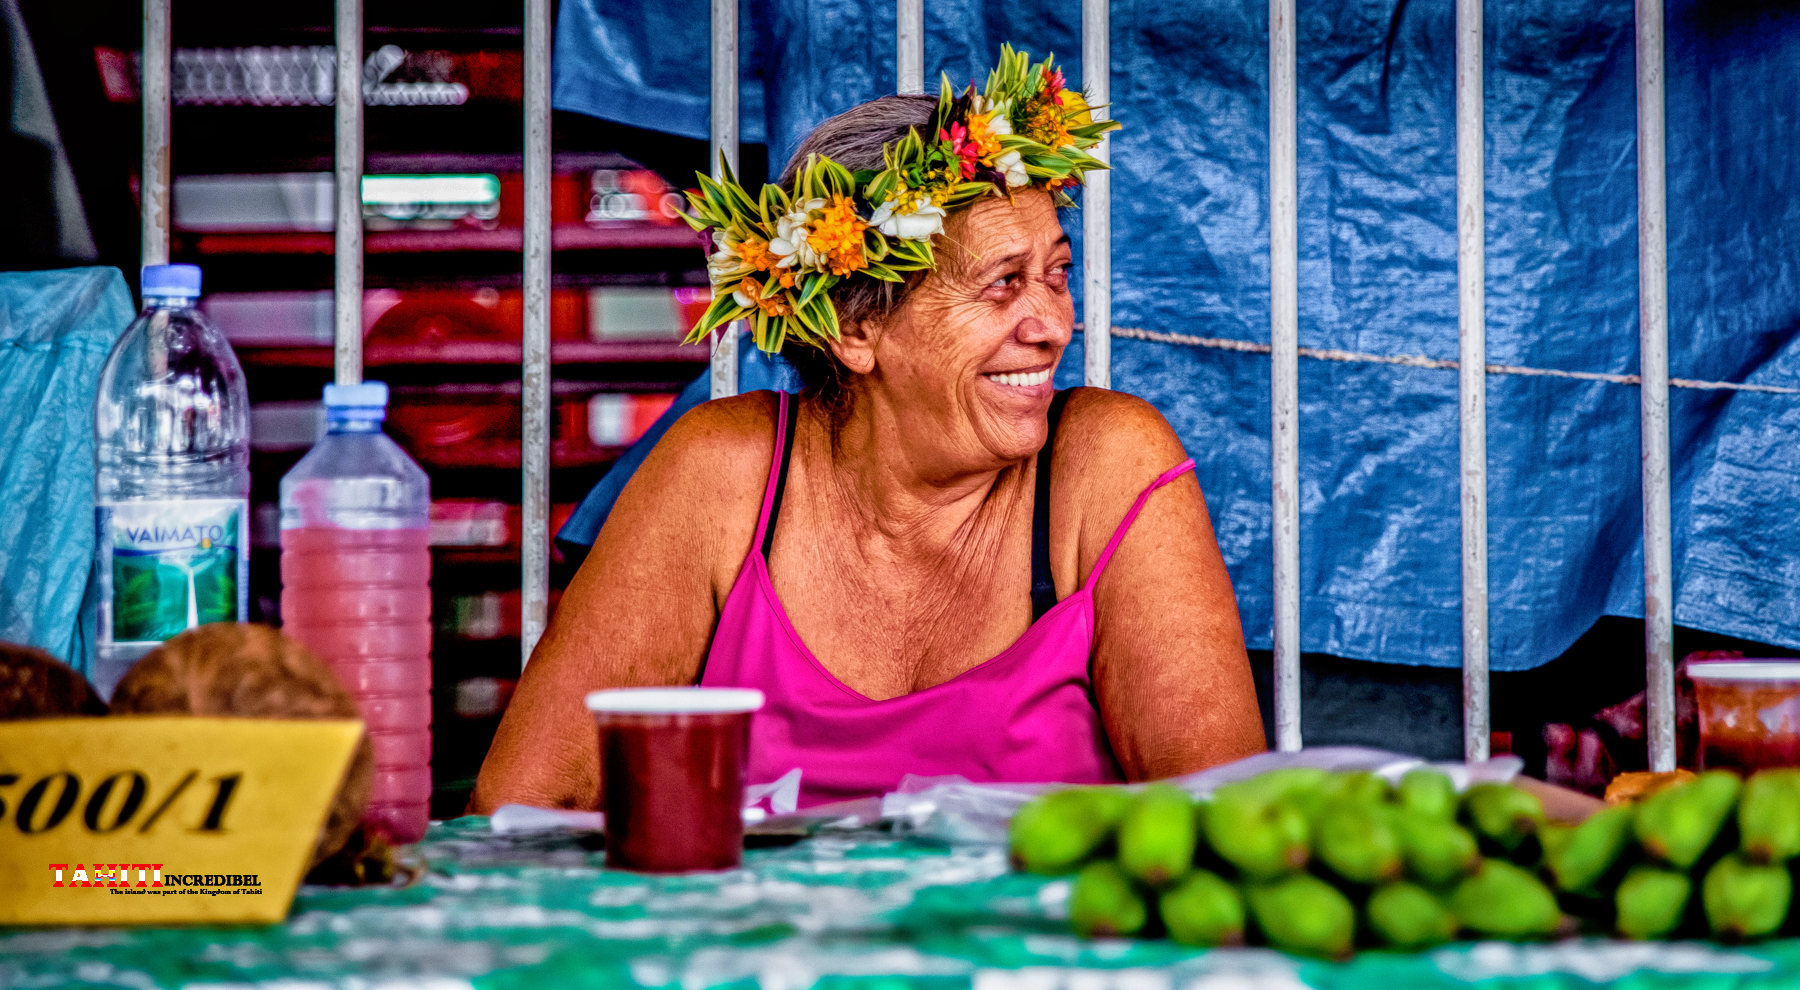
(1317, 862)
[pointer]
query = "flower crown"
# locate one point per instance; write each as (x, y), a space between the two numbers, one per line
(779, 255)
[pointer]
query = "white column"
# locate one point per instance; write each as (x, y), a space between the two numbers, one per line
(347, 286)
(1653, 367)
(909, 31)
(153, 187)
(1284, 357)
(1471, 276)
(534, 541)
(724, 143)
(1096, 202)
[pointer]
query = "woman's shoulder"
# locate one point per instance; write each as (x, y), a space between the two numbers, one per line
(1110, 442)
(722, 442)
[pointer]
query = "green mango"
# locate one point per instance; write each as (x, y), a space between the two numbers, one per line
(1407, 916)
(1650, 901)
(1428, 792)
(1301, 913)
(1103, 903)
(1055, 832)
(1503, 814)
(1156, 836)
(1262, 839)
(1504, 901)
(1359, 787)
(1743, 900)
(1285, 782)
(1676, 825)
(1437, 851)
(1357, 842)
(1578, 858)
(1769, 815)
(1204, 910)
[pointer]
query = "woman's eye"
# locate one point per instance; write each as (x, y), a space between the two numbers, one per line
(1004, 281)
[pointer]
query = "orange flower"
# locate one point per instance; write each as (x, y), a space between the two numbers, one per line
(1044, 122)
(982, 136)
(757, 255)
(766, 298)
(838, 237)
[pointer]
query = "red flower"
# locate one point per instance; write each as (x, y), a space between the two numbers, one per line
(1054, 84)
(960, 146)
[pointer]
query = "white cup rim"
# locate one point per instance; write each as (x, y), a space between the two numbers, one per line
(1745, 670)
(674, 701)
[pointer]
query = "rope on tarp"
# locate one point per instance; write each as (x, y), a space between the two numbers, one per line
(1421, 361)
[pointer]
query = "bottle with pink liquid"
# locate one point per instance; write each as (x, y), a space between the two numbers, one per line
(356, 589)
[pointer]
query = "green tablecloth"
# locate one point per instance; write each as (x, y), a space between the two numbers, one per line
(851, 911)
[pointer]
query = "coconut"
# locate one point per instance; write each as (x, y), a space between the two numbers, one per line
(250, 671)
(34, 684)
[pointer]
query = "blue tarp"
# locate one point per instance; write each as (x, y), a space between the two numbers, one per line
(56, 329)
(1379, 492)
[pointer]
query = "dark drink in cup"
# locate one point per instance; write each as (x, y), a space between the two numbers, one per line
(1749, 713)
(672, 764)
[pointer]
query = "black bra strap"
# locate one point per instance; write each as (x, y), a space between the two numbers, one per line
(1043, 585)
(787, 454)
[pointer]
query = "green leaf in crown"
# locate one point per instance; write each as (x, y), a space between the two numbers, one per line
(777, 257)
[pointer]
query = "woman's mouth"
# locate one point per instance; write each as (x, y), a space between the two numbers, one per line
(1020, 379)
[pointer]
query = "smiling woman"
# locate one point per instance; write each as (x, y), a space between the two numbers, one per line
(930, 562)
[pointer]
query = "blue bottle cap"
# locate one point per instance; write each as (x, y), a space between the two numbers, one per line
(171, 280)
(366, 395)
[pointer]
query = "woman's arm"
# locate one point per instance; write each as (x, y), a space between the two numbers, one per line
(1169, 666)
(641, 610)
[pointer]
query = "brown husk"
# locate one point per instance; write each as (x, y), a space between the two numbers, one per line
(250, 671)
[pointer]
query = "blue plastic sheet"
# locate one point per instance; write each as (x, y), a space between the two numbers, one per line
(56, 329)
(1379, 491)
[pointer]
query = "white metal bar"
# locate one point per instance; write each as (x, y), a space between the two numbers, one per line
(534, 541)
(153, 185)
(1096, 201)
(347, 286)
(909, 32)
(724, 147)
(1653, 366)
(1284, 354)
(1471, 278)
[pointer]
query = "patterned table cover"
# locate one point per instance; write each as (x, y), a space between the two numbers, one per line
(840, 911)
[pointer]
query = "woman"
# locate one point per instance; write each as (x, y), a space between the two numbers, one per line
(930, 562)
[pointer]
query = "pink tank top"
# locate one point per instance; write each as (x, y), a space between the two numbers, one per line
(1026, 715)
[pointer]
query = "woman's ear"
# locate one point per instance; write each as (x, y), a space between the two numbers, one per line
(855, 347)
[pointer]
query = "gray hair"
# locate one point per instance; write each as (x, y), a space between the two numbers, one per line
(854, 139)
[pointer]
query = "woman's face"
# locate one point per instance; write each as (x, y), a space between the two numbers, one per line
(972, 351)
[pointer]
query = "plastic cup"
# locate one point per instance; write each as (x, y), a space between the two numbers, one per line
(1749, 713)
(672, 765)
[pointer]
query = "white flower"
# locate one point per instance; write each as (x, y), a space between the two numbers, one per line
(790, 244)
(1014, 168)
(917, 224)
(738, 296)
(1000, 124)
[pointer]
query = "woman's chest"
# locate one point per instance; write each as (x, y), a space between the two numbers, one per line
(886, 628)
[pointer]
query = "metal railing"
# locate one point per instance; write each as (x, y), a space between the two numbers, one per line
(1097, 255)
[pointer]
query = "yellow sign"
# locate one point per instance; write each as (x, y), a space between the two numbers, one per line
(152, 820)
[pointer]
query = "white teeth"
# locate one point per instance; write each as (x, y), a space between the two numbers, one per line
(1021, 380)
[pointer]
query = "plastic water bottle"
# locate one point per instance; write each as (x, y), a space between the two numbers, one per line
(356, 588)
(172, 442)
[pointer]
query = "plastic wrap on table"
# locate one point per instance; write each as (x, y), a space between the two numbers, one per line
(1380, 529)
(856, 912)
(56, 329)
(952, 809)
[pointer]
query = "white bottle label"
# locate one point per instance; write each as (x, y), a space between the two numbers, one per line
(170, 565)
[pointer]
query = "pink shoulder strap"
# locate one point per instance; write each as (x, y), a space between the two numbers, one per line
(768, 502)
(1131, 517)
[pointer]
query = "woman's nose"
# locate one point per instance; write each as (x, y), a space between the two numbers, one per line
(1045, 319)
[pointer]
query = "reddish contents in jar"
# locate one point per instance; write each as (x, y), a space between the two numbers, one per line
(1749, 714)
(672, 788)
